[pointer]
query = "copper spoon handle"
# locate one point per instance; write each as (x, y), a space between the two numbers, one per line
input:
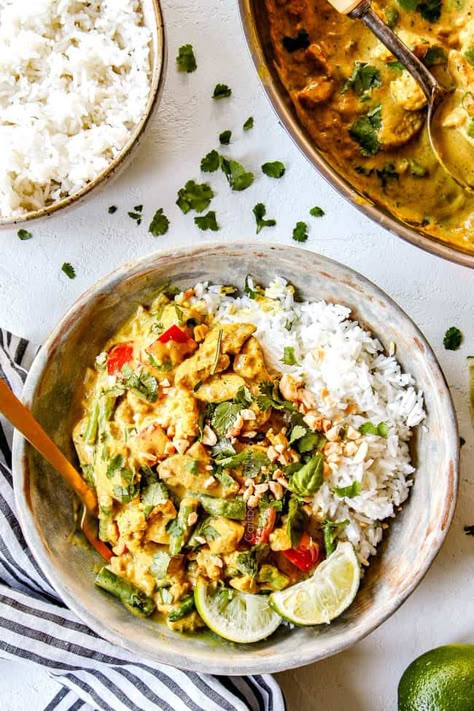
(22, 419)
(362, 10)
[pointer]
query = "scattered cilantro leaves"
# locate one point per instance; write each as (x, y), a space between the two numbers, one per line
(274, 169)
(207, 222)
(237, 177)
(143, 383)
(115, 465)
(211, 162)
(194, 196)
(300, 232)
(391, 16)
(416, 169)
(160, 224)
(224, 137)
(364, 131)
(348, 491)
(69, 270)
(296, 521)
(435, 55)
(192, 467)
(386, 174)
(135, 215)
(289, 357)
(469, 54)
(270, 397)
(221, 91)
(363, 79)
(317, 211)
(248, 124)
(252, 293)
(224, 416)
(159, 567)
(186, 59)
(112, 209)
(430, 10)
(452, 339)
(260, 211)
(24, 234)
(396, 66)
(300, 41)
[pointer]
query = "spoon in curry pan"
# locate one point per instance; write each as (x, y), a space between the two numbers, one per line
(453, 151)
(22, 419)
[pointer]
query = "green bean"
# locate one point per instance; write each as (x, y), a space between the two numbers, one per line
(105, 519)
(230, 508)
(90, 433)
(182, 529)
(184, 608)
(129, 595)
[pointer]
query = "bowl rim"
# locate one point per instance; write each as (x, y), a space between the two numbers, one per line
(278, 661)
(275, 92)
(158, 74)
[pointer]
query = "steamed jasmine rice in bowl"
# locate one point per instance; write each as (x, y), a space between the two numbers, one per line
(356, 386)
(75, 80)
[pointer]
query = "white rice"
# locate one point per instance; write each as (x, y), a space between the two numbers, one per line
(74, 81)
(335, 353)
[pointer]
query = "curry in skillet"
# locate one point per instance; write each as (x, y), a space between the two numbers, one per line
(366, 113)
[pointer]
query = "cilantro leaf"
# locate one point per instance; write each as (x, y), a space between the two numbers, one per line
(207, 222)
(186, 60)
(223, 448)
(125, 494)
(159, 567)
(296, 521)
(297, 432)
(248, 124)
(435, 55)
(224, 416)
(160, 224)
(300, 232)
(274, 169)
(289, 357)
(430, 10)
(270, 397)
(112, 209)
(24, 234)
(260, 211)
(386, 174)
(331, 530)
(221, 91)
(300, 41)
(391, 16)
(69, 270)
(416, 169)
(154, 493)
(194, 196)
(192, 467)
(309, 442)
(211, 162)
(452, 339)
(243, 396)
(364, 131)
(143, 384)
(364, 78)
(224, 137)
(396, 66)
(115, 465)
(316, 211)
(469, 54)
(135, 216)
(237, 177)
(348, 491)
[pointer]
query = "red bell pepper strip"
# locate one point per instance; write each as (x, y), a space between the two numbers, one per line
(118, 356)
(174, 333)
(306, 555)
(260, 533)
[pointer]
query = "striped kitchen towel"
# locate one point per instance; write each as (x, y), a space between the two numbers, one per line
(91, 673)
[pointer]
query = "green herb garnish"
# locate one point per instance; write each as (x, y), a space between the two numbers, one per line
(248, 124)
(224, 137)
(186, 60)
(160, 224)
(194, 196)
(316, 211)
(270, 397)
(300, 232)
(364, 131)
(469, 54)
(289, 357)
(221, 91)
(452, 339)
(331, 530)
(348, 491)
(207, 222)
(274, 169)
(252, 293)
(112, 209)
(24, 234)
(434, 56)
(386, 174)
(308, 479)
(364, 78)
(211, 162)
(69, 270)
(296, 521)
(260, 211)
(237, 177)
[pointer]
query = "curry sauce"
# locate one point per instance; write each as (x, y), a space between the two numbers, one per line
(367, 115)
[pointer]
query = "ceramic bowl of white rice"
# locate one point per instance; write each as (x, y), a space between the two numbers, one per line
(79, 82)
(363, 360)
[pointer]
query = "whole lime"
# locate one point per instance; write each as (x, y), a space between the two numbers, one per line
(440, 680)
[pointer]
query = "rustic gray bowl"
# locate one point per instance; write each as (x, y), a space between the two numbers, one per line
(45, 503)
(153, 19)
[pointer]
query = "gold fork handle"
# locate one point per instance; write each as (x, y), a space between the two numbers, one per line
(22, 419)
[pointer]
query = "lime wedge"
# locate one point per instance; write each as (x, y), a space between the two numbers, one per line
(236, 616)
(326, 594)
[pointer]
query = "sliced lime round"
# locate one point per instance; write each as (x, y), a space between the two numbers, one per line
(326, 594)
(236, 616)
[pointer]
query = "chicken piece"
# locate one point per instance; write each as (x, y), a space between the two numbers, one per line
(178, 413)
(161, 516)
(244, 583)
(399, 126)
(131, 522)
(316, 92)
(407, 92)
(230, 534)
(170, 354)
(202, 364)
(461, 70)
(190, 471)
(317, 56)
(219, 388)
(190, 623)
(279, 540)
(136, 567)
(149, 445)
(209, 565)
(250, 363)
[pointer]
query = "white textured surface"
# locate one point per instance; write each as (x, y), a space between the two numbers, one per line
(34, 294)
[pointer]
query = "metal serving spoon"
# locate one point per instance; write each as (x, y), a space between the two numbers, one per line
(456, 156)
(22, 419)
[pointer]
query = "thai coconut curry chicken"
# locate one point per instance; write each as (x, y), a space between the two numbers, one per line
(367, 114)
